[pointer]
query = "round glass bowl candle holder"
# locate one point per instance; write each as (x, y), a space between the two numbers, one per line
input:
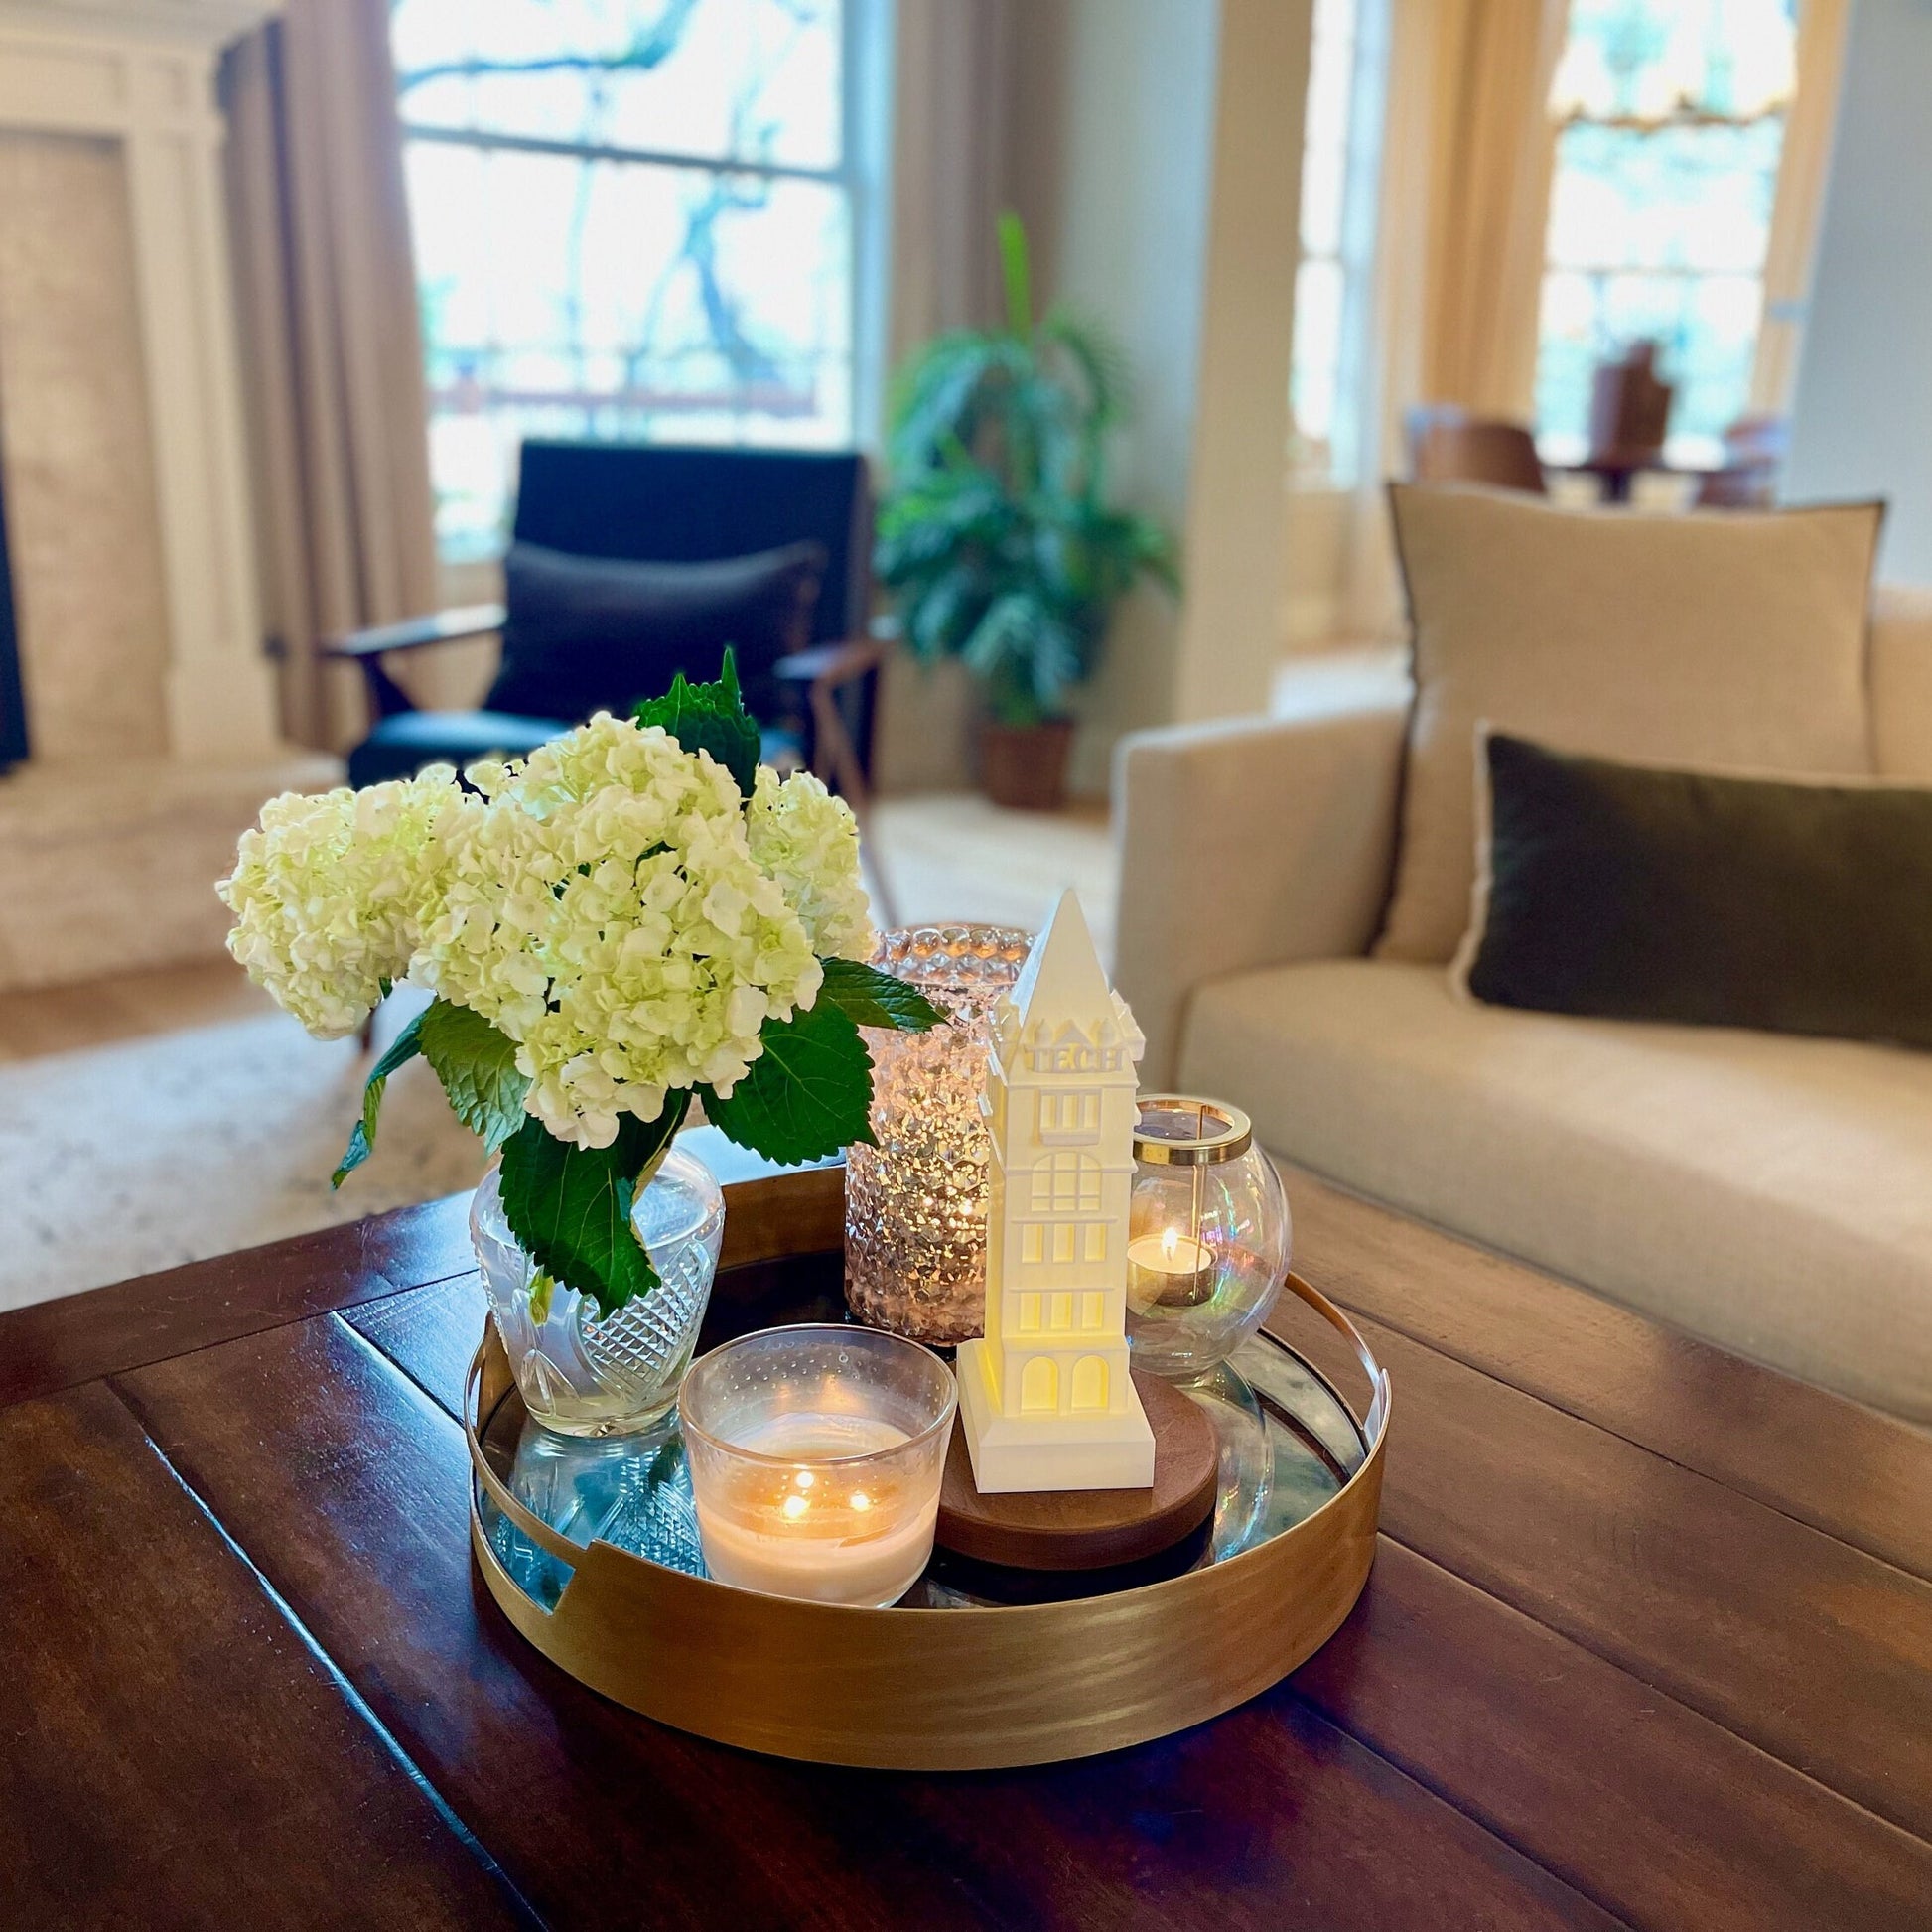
(1208, 1235)
(816, 1455)
(915, 1202)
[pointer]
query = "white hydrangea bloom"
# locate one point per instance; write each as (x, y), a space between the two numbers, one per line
(610, 903)
(329, 892)
(808, 840)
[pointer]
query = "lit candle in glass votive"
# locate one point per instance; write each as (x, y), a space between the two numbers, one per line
(1169, 1269)
(816, 1455)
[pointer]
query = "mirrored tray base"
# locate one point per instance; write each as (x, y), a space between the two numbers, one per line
(591, 1547)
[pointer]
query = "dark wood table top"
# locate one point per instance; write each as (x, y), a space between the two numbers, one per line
(1648, 1642)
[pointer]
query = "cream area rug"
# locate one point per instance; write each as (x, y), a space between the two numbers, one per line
(121, 1160)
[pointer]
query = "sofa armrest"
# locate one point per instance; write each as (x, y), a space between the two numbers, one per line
(1244, 844)
(1902, 682)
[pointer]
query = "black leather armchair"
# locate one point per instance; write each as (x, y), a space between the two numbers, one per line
(660, 505)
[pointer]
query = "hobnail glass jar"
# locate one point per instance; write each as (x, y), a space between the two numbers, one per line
(1208, 1235)
(916, 1203)
(588, 1377)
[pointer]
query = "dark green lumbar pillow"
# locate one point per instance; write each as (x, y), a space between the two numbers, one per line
(1627, 892)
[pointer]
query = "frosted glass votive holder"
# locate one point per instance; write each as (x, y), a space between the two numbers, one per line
(816, 1455)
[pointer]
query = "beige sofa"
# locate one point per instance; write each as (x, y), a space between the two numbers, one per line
(1772, 1194)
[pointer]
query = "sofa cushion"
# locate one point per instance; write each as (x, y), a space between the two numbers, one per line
(1734, 639)
(1627, 891)
(597, 634)
(1764, 1192)
(401, 745)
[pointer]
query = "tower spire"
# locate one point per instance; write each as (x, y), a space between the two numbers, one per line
(1062, 977)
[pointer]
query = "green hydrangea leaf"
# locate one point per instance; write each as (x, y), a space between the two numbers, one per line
(478, 1068)
(569, 1206)
(808, 1095)
(361, 1139)
(875, 999)
(710, 718)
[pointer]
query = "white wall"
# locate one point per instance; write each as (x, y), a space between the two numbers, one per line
(1127, 139)
(1158, 155)
(1863, 419)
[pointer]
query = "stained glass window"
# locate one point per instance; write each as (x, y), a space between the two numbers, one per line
(1671, 125)
(633, 219)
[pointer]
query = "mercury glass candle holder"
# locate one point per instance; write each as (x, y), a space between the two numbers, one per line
(1208, 1235)
(816, 1455)
(915, 1202)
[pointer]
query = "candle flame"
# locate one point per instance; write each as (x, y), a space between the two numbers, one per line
(1170, 1244)
(795, 1507)
(860, 1500)
(804, 1478)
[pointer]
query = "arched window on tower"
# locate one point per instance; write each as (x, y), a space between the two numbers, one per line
(1089, 1383)
(1039, 1385)
(1067, 1183)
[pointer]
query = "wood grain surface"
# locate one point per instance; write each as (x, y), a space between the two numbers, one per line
(1089, 1529)
(1648, 1644)
(174, 1754)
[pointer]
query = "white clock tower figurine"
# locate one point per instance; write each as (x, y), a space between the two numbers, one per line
(1046, 1399)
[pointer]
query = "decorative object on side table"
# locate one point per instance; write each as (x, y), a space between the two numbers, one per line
(815, 1458)
(997, 538)
(635, 913)
(916, 1196)
(1209, 1235)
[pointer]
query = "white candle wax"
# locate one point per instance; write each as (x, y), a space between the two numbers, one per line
(823, 1528)
(1170, 1268)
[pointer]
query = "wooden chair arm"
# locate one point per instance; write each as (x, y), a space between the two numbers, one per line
(441, 627)
(830, 666)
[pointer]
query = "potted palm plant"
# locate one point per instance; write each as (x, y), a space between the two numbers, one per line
(997, 538)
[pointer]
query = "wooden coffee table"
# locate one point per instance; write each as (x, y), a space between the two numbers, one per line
(1648, 1642)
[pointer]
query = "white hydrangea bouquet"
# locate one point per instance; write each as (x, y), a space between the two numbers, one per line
(636, 912)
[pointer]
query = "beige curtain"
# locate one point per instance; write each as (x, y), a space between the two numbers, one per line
(326, 290)
(1465, 192)
(957, 161)
(1489, 198)
(1803, 166)
(951, 169)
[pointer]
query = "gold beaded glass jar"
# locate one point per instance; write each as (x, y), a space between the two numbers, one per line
(916, 1203)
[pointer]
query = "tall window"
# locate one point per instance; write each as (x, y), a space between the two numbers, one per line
(1670, 119)
(633, 219)
(1341, 135)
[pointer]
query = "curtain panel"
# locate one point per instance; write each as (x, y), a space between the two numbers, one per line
(1804, 165)
(1462, 223)
(331, 340)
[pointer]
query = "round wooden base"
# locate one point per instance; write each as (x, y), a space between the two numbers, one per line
(1090, 1529)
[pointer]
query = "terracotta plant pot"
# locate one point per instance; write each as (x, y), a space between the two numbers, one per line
(1023, 766)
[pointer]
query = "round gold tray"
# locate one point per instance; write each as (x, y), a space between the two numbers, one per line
(953, 1678)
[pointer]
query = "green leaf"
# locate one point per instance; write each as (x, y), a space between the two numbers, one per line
(710, 718)
(875, 999)
(478, 1068)
(806, 1096)
(1017, 274)
(569, 1206)
(361, 1139)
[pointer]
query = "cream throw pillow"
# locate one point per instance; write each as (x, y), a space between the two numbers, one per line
(1733, 638)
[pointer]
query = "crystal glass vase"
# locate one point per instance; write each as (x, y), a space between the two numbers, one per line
(916, 1203)
(588, 1377)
